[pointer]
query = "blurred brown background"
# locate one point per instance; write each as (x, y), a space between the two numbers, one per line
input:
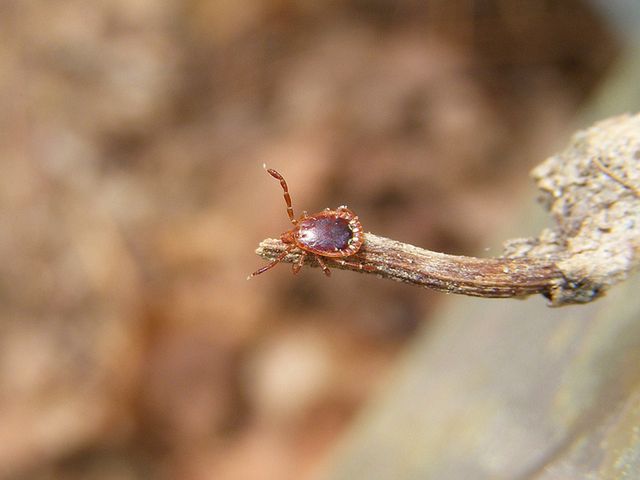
(132, 197)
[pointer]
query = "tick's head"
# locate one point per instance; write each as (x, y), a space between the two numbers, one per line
(288, 236)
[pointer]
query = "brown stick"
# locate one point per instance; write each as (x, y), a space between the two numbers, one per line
(480, 277)
(594, 244)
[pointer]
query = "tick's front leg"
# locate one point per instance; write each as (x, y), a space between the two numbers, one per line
(298, 265)
(272, 263)
(323, 265)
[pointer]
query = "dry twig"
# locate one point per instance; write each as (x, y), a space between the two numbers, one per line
(481, 277)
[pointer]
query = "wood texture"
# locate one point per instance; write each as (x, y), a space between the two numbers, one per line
(480, 277)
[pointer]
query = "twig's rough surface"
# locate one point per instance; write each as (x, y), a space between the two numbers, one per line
(482, 277)
(597, 210)
(591, 189)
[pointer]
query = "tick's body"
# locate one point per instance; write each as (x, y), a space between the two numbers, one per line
(333, 234)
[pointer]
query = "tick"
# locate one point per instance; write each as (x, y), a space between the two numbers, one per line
(328, 235)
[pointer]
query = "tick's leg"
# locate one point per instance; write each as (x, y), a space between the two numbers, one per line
(272, 263)
(285, 188)
(359, 266)
(344, 208)
(298, 265)
(303, 216)
(323, 265)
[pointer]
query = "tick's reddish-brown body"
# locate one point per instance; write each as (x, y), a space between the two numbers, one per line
(332, 234)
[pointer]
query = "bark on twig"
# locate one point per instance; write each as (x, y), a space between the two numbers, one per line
(481, 277)
(591, 189)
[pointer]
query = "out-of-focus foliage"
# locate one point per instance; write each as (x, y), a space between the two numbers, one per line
(132, 197)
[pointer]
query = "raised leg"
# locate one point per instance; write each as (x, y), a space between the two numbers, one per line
(285, 188)
(359, 266)
(323, 265)
(298, 265)
(271, 264)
